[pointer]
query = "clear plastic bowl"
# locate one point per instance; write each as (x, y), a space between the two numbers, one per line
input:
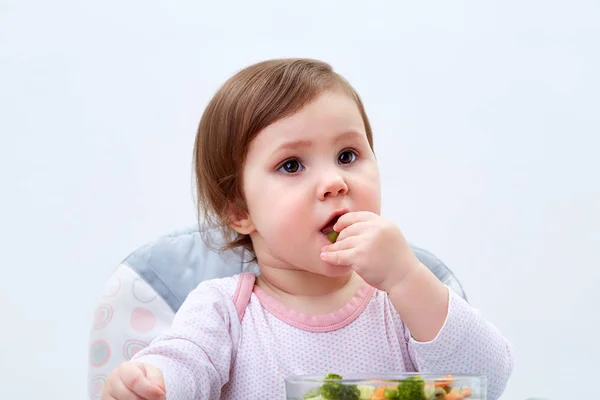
(301, 386)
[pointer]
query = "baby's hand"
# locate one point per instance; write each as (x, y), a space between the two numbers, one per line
(374, 247)
(132, 380)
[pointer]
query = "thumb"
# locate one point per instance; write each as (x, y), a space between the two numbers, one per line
(149, 383)
(154, 376)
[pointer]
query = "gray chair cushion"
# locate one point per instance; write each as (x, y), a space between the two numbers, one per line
(176, 263)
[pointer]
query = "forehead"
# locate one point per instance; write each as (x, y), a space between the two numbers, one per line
(330, 114)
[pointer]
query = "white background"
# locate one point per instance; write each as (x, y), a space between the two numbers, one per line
(486, 118)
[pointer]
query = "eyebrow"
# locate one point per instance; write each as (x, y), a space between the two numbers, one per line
(299, 144)
(347, 135)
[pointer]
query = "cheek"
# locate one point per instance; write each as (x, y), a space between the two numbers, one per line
(276, 208)
(370, 191)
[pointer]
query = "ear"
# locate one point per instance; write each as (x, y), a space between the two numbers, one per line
(240, 221)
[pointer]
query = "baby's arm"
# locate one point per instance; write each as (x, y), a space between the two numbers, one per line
(196, 353)
(466, 344)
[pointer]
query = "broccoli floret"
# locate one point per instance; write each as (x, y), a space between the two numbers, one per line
(412, 388)
(338, 391)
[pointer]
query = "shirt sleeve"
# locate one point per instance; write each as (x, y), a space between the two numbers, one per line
(466, 344)
(196, 353)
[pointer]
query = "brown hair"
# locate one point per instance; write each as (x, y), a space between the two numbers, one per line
(248, 102)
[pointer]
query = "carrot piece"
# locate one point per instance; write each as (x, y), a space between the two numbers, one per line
(445, 382)
(456, 394)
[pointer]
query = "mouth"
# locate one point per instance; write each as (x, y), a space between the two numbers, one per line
(328, 228)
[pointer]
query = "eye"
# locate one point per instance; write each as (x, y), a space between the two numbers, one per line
(290, 166)
(347, 157)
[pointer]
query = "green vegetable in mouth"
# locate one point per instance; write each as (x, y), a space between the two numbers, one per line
(332, 236)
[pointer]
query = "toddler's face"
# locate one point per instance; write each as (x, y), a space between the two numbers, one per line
(303, 170)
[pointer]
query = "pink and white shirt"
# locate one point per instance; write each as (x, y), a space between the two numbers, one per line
(231, 340)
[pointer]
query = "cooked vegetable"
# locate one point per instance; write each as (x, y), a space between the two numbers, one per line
(443, 382)
(379, 393)
(333, 390)
(366, 391)
(458, 394)
(337, 391)
(412, 388)
(390, 393)
(435, 393)
(332, 236)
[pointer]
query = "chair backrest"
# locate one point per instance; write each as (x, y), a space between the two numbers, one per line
(176, 263)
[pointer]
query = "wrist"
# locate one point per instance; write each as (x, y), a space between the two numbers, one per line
(407, 279)
(421, 300)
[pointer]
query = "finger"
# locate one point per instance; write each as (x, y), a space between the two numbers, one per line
(115, 388)
(355, 229)
(340, 257)
(137, 382)
(108, 393)
(149, 392)
(120, 391)
(350, 232)
(341, 244)
(154, 375)
(352, 218)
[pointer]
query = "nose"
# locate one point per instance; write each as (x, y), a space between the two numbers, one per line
(332, 186)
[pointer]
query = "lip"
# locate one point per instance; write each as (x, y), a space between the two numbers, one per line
(335, 214)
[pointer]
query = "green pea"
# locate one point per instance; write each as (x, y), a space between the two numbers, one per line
(332, 236)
